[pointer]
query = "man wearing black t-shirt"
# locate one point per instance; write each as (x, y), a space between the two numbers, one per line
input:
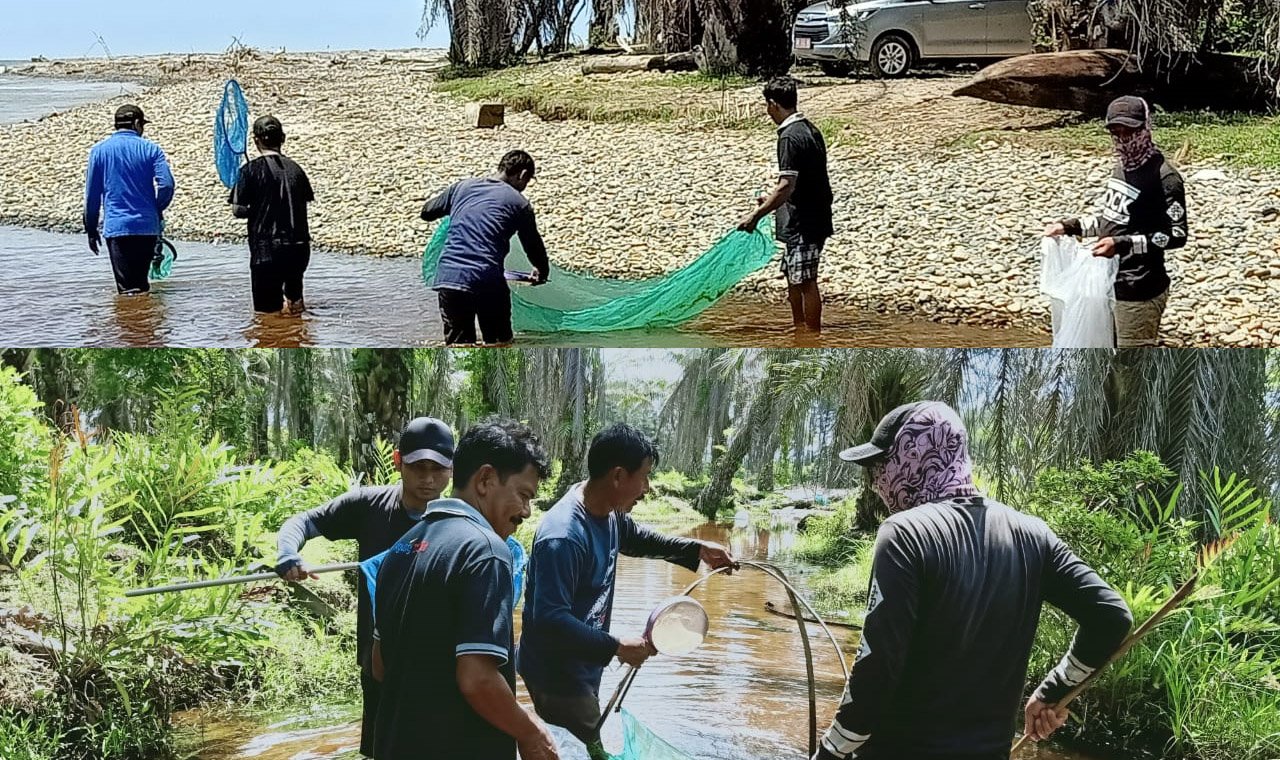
(272, 192)
(445, 635)
(802, 199)
(375, 516)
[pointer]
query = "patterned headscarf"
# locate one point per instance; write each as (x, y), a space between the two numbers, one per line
(928, 462)
(1137, 148)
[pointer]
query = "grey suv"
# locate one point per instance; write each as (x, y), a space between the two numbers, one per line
(893, 35)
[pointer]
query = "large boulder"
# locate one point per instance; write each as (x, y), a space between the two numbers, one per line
(1087, 80)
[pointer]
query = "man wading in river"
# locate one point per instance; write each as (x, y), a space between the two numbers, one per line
(272, 192)
(957, 584)
(565, 641)
(1143, 215)
(129, 184)
(470, 280)
(445, 634)
(375, 516)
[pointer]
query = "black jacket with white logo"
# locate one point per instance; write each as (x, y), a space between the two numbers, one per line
(1145, 211)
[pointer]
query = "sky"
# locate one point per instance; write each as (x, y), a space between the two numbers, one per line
(69, 28)
(640, 364)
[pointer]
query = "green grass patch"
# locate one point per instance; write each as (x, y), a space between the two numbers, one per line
(1242, 140)
(559, 94)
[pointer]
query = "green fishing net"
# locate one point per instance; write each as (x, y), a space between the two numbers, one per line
(639, 743)
(162, 261)
(575, 302)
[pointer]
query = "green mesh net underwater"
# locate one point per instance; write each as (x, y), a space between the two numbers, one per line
(638, 743)
(574, 302)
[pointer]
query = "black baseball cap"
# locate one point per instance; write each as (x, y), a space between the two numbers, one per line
(1127, 111)
(266, 126)
(882, 439)
(127, 114)
(426, 438)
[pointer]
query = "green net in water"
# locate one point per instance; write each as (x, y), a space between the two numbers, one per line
(639, 743)
(162, 262)
(573, 302)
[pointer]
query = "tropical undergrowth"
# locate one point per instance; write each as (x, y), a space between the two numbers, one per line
(1206, 683)
(90, 673)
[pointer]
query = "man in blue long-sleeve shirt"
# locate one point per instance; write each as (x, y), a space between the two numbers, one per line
(132, 176)
(565, 641)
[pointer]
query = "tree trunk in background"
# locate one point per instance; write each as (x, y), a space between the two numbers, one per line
(575, 448)
(719, 489)
(381, 377)
(751, 37)
(603, 29)
(51, 376)
(302, 395)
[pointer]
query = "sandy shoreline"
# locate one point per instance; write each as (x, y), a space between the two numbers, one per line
(937, 231)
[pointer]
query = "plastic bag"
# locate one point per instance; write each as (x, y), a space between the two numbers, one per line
(1081, 291)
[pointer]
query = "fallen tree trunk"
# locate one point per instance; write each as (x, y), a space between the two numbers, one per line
(622, 64)
(1087, 80)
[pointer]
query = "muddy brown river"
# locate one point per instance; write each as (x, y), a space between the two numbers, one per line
(741, 696)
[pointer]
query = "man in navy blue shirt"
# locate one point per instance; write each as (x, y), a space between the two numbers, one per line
(565, 641)
(470, 280)
(132, 176)
(445, 636)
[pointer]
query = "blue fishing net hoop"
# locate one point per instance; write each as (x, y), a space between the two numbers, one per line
(231, 133)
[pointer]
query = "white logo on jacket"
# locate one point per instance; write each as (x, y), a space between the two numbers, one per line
(1116, 200)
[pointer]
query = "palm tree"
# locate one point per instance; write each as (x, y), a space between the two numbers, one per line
(381, 377)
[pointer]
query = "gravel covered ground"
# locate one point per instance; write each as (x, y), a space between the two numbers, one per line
(927, 222)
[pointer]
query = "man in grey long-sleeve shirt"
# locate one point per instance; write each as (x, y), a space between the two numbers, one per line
(376, 517)
(957, 585)
(565, 641)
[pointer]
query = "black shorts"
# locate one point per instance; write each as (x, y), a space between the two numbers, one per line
(460, 310)
(371, 690)
(279, 276)
(131, 261)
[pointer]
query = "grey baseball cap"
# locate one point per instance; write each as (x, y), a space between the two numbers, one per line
(1127, 111)
(426, 438)
(882, 439)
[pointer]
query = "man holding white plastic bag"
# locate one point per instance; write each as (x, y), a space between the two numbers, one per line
(1143, 215)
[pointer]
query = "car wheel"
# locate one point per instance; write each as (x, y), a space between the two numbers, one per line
(836, 68)
(891, 56)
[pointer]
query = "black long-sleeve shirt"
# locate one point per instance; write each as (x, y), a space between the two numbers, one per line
(955, 600)
(565, 641)
(372, 515)
(1145, 211)
(484, 215)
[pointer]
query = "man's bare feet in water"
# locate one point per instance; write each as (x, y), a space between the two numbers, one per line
(293, 307)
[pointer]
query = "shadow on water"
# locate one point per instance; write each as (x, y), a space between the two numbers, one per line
(58, 294)
(741, 696)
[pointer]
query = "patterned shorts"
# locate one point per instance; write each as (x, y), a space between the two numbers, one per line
(800, 262)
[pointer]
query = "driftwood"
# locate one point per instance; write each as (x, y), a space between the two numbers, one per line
(621, 64)
(785, 611)
(1087, 80)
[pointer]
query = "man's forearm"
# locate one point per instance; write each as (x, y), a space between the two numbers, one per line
(780, 195)
(491, 697)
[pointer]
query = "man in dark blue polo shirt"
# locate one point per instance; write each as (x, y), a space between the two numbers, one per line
(131, 175)
(802, 199)
(375, 517)
(470, 280)
(565, 642)
(445, 637)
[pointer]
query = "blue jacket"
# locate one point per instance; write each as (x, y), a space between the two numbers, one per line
(133, 175)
